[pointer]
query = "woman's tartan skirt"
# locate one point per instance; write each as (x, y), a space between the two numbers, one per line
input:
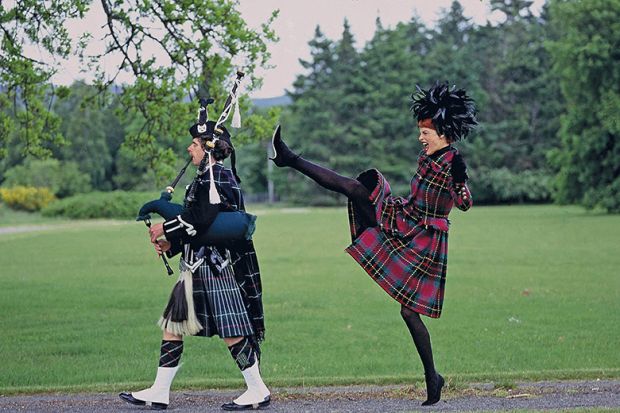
(407, 259)
(218, 303)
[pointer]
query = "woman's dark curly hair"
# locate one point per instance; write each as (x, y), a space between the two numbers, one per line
(452, 112)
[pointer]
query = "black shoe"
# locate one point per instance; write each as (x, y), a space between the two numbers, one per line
(128, 397)
(433, 389)
(282, 155)
(255, 406)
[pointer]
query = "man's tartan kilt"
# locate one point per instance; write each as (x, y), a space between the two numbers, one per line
(219, 306)
(406, 258)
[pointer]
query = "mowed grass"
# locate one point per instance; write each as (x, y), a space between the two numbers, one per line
(9, 217)
(533, 292)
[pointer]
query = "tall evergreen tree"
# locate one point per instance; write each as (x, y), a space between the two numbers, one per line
(520, 101)
(520, 115)
(309, 125)
(394, 62)
(84, 129)
(357, 102)
(450, 58)
(586, 58)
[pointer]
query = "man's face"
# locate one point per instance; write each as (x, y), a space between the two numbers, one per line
(431, 141)
(195, 151)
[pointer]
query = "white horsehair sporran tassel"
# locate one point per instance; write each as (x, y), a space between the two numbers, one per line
(214, 196)
(180, 316)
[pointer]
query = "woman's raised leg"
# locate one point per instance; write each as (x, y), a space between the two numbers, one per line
(328, 179)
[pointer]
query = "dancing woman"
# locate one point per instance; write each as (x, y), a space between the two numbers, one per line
(402, 243)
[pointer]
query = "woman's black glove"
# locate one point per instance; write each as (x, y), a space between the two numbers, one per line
(459, 169)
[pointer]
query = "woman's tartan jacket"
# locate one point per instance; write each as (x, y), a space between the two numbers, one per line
(406, 253)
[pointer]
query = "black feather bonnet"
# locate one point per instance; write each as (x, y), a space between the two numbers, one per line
(450, 110)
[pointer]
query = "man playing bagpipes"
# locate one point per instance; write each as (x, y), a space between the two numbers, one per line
(219, 289)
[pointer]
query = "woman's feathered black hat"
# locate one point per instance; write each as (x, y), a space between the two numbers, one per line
(452, 112)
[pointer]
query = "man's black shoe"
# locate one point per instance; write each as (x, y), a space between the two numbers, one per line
(128, 397)
(232, 406)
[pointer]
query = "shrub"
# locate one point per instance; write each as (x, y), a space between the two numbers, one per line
(115, 204)
(493, 186)
(62, 178)
(26, 198)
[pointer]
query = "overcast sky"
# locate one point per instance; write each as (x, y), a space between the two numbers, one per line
(298, 18)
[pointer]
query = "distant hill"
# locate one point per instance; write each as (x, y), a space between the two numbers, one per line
(275, 101)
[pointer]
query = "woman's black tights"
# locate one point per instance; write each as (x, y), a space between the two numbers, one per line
(421, 339)
(351, 188)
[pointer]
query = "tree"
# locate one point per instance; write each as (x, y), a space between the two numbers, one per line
(85, 129)
(450, 53)
(346, 95)
(393, 62)
(350, 111)
(62, 178)
(26, 96)
(173, 49)
(252, 164)
(586, 60)
(519, 94)
(507, 69)
(309, 123)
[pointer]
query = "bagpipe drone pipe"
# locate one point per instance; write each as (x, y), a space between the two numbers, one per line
(228, 225)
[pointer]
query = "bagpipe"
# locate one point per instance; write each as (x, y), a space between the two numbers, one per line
(228, 225)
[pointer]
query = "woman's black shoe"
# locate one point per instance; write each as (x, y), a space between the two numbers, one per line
(433, 389)
(132, 400)
(282, 155)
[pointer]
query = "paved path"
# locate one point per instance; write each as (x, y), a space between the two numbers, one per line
(15, 229)
(352, 399)
(25, 228)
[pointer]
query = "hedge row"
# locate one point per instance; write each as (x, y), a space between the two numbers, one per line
(500, 186)
(62, 178)
(115, 204)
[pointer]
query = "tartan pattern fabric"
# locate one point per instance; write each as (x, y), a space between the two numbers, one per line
(244, 261)
(219, 305)
(170, 353)
(243, 353)
(406, 253)
(227, 187)
(247, 274)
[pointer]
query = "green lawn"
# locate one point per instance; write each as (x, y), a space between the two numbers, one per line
(533, 292)
(9, 218)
